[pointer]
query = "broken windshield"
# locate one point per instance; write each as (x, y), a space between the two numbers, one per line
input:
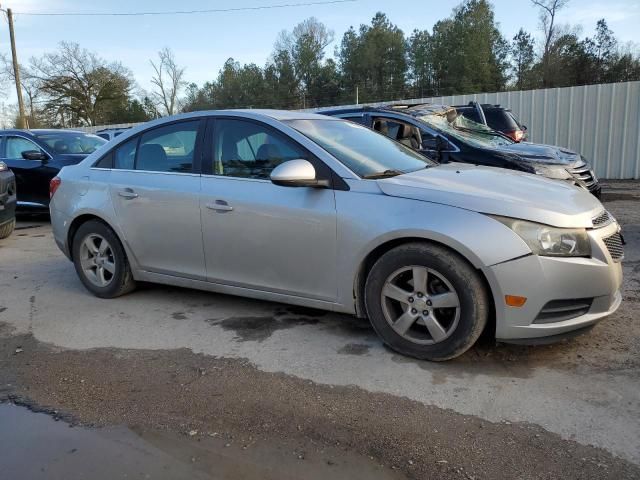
(466, 130)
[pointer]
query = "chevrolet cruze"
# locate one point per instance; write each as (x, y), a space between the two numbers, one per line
(320, 212)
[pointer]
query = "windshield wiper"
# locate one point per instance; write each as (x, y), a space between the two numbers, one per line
(385, 174)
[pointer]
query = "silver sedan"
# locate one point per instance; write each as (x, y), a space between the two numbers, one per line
(320, 212)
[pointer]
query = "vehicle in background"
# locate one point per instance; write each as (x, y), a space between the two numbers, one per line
(496, 117)
(111, 133)
(36, 156)
(315, 211)
(439, 133)
(7, 201)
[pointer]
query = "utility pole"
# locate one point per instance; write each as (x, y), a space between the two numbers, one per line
(357, 102)
(22, 121)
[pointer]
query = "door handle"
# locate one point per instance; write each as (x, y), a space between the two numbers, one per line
(219, 206)
(128, 193)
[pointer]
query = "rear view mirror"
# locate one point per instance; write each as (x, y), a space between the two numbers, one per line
(296, 173)
(34, 155)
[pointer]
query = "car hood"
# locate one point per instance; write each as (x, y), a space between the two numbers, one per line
(545, 154)
(498, 191)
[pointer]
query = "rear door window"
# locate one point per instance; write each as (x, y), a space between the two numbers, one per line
(125, 155)
(168, 149)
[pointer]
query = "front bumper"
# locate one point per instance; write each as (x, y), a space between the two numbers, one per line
(596, 281)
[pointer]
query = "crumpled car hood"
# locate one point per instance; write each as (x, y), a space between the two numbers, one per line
(498, 191)
(542, 153)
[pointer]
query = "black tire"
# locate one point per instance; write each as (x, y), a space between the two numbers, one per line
(122, 280)
(473, 300)
(7, 229)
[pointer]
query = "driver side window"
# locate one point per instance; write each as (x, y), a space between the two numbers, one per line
(249, 150)
(17, 145)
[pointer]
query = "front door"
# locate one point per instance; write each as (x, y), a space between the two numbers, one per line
(156, 194)
(259, 235)
(32, 176)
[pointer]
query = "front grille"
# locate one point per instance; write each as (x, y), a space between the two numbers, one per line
(614, 245)
(601, 220)
(561, 310)
(583, 174)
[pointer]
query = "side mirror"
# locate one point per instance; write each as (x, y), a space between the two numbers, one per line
(296, 173)
(34, 155)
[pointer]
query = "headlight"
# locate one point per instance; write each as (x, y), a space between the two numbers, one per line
(3, 167)
(550, 241)
(557, 173)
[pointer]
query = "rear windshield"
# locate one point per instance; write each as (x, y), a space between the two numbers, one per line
(501, 120)
(71, 142)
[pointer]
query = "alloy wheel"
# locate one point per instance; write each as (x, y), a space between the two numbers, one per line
(420, 304)
(97, 260)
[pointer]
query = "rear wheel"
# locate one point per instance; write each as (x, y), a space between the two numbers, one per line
(100, 261)
(7, 228)
(426, 301)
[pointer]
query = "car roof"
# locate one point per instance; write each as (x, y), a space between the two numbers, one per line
(36, 131)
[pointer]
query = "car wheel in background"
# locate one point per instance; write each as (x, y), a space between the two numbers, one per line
(426, 301)
(100, 261)
(7, 228)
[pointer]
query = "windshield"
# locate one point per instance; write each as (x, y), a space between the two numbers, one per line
(71, 142)
(363, 151)
(467, 130)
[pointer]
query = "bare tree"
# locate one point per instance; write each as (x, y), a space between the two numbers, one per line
(548, 12)
(28, 83)
(168, 80)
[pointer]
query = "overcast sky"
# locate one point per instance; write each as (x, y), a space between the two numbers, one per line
(202, 42)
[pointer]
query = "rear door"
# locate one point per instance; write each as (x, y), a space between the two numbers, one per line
(155, 189)
(32, 176)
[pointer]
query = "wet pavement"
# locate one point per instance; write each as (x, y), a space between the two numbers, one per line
(36, 446)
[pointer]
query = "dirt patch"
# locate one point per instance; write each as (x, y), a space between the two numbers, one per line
(183, 392)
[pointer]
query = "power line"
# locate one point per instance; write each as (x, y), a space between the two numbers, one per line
(181, 12)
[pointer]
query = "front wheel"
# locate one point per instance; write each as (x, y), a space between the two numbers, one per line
(100, 261)
(426, 301)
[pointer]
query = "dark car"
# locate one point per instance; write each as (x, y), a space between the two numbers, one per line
(36, 156)
(7, 201)
(440, 133)
(496, 117)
